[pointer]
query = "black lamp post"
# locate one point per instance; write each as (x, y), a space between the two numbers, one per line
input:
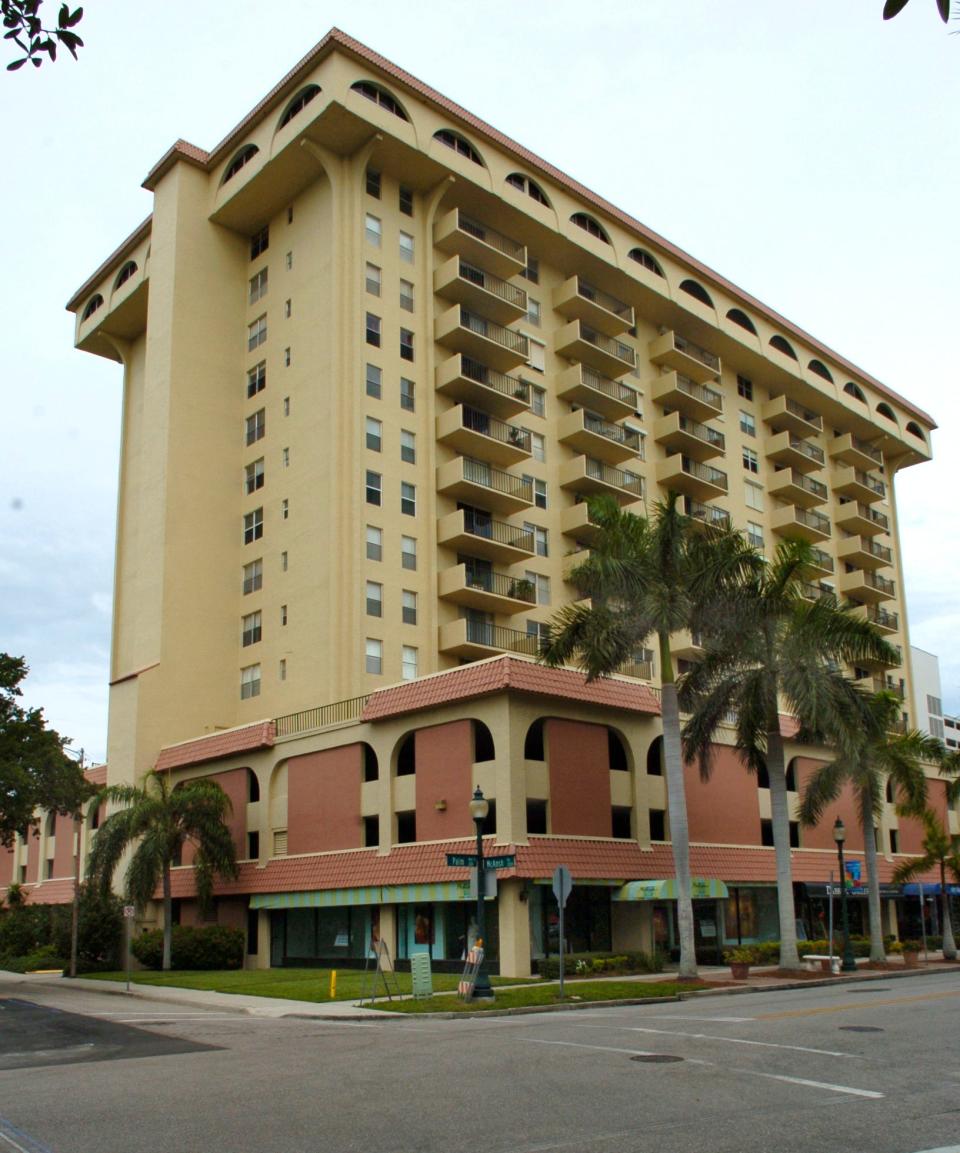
(479, 807)
(849, 964)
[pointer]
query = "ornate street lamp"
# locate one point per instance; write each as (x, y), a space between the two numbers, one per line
(479, 807)
(849, 964)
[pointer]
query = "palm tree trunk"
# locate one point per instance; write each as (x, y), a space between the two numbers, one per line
(677, 808)
(946, 924)
(776, 771)
(878, 953)
(167, 919)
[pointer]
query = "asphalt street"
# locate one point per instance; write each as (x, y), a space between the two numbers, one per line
(864, 1068)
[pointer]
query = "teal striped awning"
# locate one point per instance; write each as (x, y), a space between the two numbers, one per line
(666, 890)
(368, 895)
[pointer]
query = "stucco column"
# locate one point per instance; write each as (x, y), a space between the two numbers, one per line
(514, 929)
(388, 931)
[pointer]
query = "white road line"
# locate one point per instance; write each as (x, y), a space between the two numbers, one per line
(598, 1048)
(942, 1149)
(690, 1017)
(734, 1041)
(872, 1094)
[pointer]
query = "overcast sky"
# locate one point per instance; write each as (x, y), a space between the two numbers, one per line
(806, 151)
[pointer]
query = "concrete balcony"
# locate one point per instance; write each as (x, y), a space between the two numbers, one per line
(786, 415)
(489, 591)
(864, 553)
(589, 434)
(474, 640)
(587, 476)
(888, 684)
(686, 646)
(578, 300)
(640, 670)
(708, 515)
(701, 481)
(476, 482)
(480, 291)
(478, 534)
(884, 620)
(790, 451)
(854, 450)
(815, 591)
(572, 561)
(821, 563)
(578, 341)
(467, 380)
(865, 586)
(612, 399)
(474, 433)
(859, 485)
(483, 340)
(576, 522)
(672, 351)
(682, 434)
(462, 235)
(790, 484)
(857, 517)
(676, 391)
(800, 524)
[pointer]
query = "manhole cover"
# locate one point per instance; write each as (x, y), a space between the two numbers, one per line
(860, 1029)
(656, 1058)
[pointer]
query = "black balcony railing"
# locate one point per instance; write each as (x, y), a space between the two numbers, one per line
(604, 300)
(711, 436)
(490, 236)
(514, 536)
(499, 430)
(479, 472)
(506, 337)
(688, 348)
(611, 388)
(498, 637)
(628, 481)
(502, 289)
(617, 433)
(498, 381)
(501, 584)
(307, 720)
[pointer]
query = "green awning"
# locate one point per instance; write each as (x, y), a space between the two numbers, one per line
(368, 895)
(666, 890)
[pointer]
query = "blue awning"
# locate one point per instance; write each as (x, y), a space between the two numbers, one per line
(913, 890)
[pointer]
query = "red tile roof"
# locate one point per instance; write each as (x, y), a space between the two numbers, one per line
(96, 774)
(58, 892)
(503, 673)
(259, 735)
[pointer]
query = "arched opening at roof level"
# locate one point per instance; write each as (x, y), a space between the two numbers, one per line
(648, 260)
(885, 410)
(781, 344)
(915, 430)
(125, 273)
(738, 316)
(820, 369)
(460, 144)
(242, 158)
(589, 224)
(93, 304)
(697, 291)
(530, 187)
(855, 391)
(381, 96)
(298, 103)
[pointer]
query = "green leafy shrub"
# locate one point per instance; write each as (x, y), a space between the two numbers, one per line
(43, 958)
(741, 955)
(26, 929)
(192, 947)
(23, 930)
(629, 962)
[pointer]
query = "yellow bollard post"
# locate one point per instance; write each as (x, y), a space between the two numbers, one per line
(333, 984)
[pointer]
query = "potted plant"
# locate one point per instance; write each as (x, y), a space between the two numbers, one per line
(740, 959)
(522, 590)
(910, 951)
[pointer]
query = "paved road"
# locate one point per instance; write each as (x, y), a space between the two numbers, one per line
(871, 1068)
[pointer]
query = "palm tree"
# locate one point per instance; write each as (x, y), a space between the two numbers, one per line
(648, 577)
(158, 820)
(777, 648)
(883, 755)
(941, 853)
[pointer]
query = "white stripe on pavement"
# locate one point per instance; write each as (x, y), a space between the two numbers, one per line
(736, 1041)
(871, 1093)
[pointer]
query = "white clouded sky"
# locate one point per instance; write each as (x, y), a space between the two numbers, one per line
(806, 151)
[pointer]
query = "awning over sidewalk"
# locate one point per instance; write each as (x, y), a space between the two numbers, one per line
(934, 890)
(887, 892)
(368, 895)
(666, 890)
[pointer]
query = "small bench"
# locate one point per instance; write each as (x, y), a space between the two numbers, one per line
(826, 963)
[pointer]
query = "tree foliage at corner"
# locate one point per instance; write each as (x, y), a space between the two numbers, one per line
(892, 7)
(24, 27)
(35, 772)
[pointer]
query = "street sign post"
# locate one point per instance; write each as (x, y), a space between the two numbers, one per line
(469, 861)
(129, 912)
(562, 884)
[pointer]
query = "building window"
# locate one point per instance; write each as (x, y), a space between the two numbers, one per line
(532, 271)
(744, 388)
(373, 280)
(748, 423)
(537, 817)
(287, 358)
(753, 495)
(409, 661)
(374, 381)
(252, 576)
(533, 312)
(406, 827)
(285, 457)
(541, 586)
(252, 526)
(406, 201)
(283, 615)
(289, 261)
(406, 247)
(589, 224)
(286, 406)
(259, 242)
(538, 446)
(894, 841)
(408, 553)
(374, 434)
(536, 355)
(408, 447)
(539, 538)
(284, 509)
(251, 631)
(406, 295)
(658, 824)
(373, 330)
(249, 682)
(288, 308)
(620, 822)
(374, 651)
(374, 543)
(284, 561)
(755, 534)
(539, 493)
(253, 476)
(751, 462)
(373, 183)
(373, 230)
(408, 601)
(256, 333)
(407, 390)
(374, 599)
(408, 499)
(374, 488)
(540, 630)
(258, 285)
(256, 379)
(538, 400)
(371, 832)
(406, 344)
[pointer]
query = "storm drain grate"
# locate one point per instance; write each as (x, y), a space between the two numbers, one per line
(860, 1029)
(656, 1058)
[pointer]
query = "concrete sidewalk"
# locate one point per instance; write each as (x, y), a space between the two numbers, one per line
(760, 979)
